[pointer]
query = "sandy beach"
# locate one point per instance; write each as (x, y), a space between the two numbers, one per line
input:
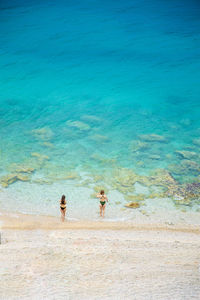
(42, 258)
(99, 98)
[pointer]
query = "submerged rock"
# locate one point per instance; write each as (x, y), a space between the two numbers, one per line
(125, 177)
(59, 172)
(99, 138)
(193, 189)
(132, 205)
(79, 125)
(85, 183)
(11, 178)
(40, 156)
(25, 170)
(186, 167)
(156, 195)
(190, 147)
(154, 157)
(44, 133)
(123, 180)
(153, 138)
(137, 146)
(8, 179)
(22, 168)
(186, 154)
(66, 176)
(48, 144)
(102, 160)
(124, 190)
(184, 194)
(196, 142)
(133, 198)
(97, 178)
(161, 184)
(191, 165)
(177, 169)
(72, 175)
(162, 177)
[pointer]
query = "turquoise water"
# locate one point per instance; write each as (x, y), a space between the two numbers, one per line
(82, 82)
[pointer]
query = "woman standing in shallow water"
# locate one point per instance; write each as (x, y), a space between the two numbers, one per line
(63, 208)
(103, 199)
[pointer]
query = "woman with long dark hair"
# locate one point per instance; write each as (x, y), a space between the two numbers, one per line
(103, 199)
(63, 207)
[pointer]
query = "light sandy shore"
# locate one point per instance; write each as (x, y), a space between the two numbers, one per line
(44, 259)
(29, 222)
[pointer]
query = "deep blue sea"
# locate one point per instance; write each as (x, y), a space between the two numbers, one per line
(92, 88)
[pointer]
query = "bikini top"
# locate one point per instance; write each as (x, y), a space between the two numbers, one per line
(103, 198)
(63, 205)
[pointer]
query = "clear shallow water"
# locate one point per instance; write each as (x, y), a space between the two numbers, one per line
(81, 81)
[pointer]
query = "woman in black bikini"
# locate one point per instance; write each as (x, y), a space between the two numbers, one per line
(103, 199)
(63, 208)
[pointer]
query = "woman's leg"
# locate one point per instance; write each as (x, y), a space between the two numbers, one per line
(103, 208)
(64, 212)
(62, 215)
(100, 210)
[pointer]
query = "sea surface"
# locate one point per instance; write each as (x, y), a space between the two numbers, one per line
(94, 94)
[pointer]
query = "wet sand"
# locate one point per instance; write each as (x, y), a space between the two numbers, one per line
(41, 258)
(21, 221)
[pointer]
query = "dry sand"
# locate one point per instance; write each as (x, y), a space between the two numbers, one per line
(40, 258)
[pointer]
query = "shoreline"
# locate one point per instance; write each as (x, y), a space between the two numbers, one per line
(19, 221)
